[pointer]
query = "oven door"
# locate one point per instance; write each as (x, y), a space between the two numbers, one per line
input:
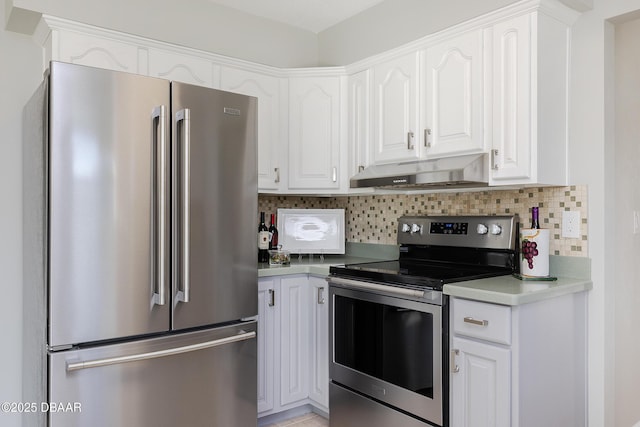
(388, 347)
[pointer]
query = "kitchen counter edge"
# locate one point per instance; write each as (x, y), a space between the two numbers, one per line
(508, 290)
(309, 266)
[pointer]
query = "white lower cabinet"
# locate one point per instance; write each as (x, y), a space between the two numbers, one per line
(319, 342)
(294, 332)
(266, 343)
(480, 388)
(292, 343)
(518, 366)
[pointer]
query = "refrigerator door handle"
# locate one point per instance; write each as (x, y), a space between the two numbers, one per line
(158, 119)
(183, 141)
(96, 363)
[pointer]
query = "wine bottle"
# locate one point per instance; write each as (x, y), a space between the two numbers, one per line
(535, 223)
(263, 240)
(273, 233)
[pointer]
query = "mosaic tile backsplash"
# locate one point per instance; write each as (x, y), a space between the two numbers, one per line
(373, 219)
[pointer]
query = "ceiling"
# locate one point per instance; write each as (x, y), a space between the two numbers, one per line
(310, 15)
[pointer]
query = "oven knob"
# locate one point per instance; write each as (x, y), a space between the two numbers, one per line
(496, 229)
(405, 228)
(415, 228)
(482, 229)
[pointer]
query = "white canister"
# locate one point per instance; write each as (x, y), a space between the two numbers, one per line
(534, 252)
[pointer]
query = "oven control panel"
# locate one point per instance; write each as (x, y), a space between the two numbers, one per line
(449, 228)
(495, 231)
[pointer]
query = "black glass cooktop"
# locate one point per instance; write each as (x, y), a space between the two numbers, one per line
(416, 273)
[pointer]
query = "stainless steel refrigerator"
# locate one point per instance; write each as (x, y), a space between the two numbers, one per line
(140, 261)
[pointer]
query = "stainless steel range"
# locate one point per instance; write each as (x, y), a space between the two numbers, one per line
(389, 319)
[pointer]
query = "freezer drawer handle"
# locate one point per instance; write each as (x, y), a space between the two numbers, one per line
(158, 117)
(242, 336)
(184, 147)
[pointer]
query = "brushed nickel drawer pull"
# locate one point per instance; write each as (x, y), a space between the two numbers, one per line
(476, 322)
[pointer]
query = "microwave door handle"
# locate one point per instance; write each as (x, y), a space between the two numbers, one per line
(159, 195)
(183, 144)
(96, 363)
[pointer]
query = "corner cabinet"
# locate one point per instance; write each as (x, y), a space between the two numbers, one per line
(518, 366)
(315, 133)
(530, 69)
(293, 346)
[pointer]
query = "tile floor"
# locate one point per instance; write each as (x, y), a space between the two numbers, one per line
(306, 420)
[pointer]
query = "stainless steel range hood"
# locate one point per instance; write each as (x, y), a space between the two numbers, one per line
(460, 171)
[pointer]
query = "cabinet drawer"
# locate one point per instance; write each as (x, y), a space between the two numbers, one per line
(481, 320)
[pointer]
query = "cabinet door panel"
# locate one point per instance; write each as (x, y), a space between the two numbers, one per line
(512, 139)
(481, 388)
(453, 96)
(359, 131)
(267, 90)
(81, 49)
(319, 341)
(395, 109)
(180, 68)
(266, 343)
(294, 327)
(314, 133)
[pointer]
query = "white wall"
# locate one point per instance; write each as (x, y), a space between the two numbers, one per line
(392, 23)
(592, 153)
(627, 199)
(20, 73)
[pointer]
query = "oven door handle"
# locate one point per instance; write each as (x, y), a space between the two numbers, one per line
(376, 287)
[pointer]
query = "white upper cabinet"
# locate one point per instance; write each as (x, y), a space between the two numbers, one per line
(496, 84)
(86, 49)
(529, 92)
(359, 89)
(452, 97)
(268, 90)
(315, 133)
(395, 110)
(180, 67)
(512, 76)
